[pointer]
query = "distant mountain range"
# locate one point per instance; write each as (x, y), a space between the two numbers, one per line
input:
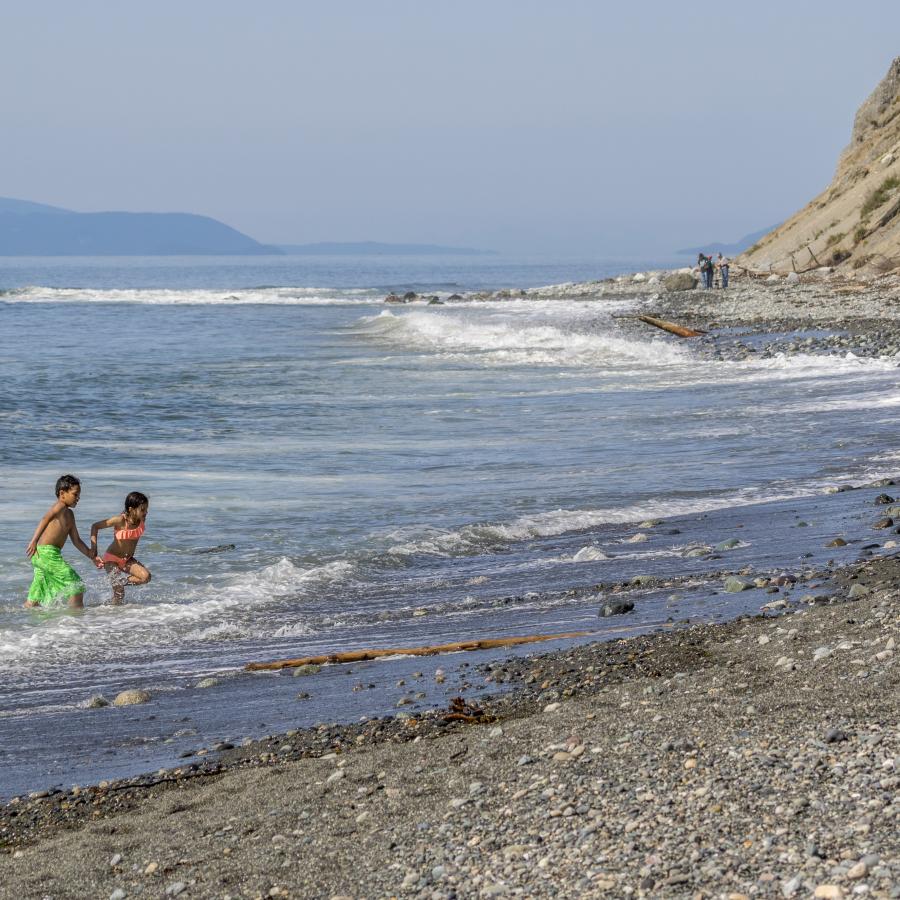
(34, 229)
(374, 248)
(748, 240)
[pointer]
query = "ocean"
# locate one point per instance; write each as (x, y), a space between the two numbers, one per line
(327, 472)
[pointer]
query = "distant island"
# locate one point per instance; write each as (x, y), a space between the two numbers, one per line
(374, 248)
(35, 229)
(739, 246)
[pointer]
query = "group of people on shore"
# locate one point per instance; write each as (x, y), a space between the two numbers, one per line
(709, 268)
(54, 579)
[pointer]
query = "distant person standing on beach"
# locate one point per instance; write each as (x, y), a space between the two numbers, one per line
(706, 270)
(723, 263)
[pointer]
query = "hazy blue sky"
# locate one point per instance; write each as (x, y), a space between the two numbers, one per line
(567, 127)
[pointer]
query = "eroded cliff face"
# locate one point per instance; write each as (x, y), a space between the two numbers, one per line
(855, 222)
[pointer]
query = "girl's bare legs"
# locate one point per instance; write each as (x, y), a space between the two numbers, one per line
(117, 582)
(137, 574)
(133, 574)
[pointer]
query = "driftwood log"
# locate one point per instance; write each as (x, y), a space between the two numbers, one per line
(455, 647)
(671, 326)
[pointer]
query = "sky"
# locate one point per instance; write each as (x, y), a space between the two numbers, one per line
(569, 128)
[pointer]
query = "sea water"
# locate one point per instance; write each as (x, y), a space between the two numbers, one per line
(326, 472)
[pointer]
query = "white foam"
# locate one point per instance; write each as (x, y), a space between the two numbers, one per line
(538, 339)
(429, 540)
(589, 554)
(279, 296)
(218, 611)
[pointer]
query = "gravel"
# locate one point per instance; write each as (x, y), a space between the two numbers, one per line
(682, 764)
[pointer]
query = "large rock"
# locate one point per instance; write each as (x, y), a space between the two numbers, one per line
(680, 281)
(733, 584)
(132, 698)
(616, 608)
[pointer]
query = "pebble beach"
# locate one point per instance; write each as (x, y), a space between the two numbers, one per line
(758, 757)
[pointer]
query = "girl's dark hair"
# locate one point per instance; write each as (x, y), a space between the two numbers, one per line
(136, 499)
(66, 483)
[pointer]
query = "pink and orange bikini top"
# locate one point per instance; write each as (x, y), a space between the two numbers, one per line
(130, 534)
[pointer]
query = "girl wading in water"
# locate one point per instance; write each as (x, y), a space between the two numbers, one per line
(119, 561)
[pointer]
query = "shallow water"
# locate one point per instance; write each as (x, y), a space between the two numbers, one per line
(387, 476)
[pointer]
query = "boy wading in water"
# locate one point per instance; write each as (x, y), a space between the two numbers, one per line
(119, 556)
(53, 576)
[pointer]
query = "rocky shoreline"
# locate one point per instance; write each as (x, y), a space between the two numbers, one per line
(756, 758)
(818, 312)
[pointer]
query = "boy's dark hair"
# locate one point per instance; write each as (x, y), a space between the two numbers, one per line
(136, 499)
(66, 483)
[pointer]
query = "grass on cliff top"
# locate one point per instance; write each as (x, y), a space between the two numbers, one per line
(879, 196)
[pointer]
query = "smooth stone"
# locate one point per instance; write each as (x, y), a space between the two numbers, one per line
(884, 523)
(616, 608)
(860, 870)
(680, 281)
(207, 682)
(96, 701)
(645, 580)
(733, 585)
(857, 590)
(695, 552)
(308, 669)
(132, 698)
(730, 544)
(837, 542)
(828, 892)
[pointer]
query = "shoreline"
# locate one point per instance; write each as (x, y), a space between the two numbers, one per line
(698, 762)
(776, 727)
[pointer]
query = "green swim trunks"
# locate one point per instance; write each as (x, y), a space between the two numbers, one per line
(53, 576)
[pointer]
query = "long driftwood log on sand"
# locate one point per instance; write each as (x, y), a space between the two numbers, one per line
(456, 646)
(671, 326)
